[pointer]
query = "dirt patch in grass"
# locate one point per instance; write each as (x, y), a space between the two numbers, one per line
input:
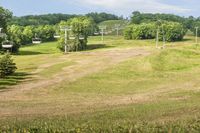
(31, 98)
(85, 63)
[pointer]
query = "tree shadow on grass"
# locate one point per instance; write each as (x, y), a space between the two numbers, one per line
(97, 46)
(29, 53)
(186, 39)
(14, 79)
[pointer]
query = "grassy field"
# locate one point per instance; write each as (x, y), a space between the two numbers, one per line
(118, 86)
(111, 26)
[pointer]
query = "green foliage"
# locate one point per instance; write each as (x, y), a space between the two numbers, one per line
(15, 34)
(142, 31)
(5, 16)
(138, 18)
(172, 31)
(52, 19)
(23, 35)
(80, 27)
(100, 17)
(46, 32)
(27, 34)
(128, 32)
(7, 67)
(36, 20)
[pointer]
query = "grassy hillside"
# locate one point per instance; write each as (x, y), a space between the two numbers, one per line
(111, 25)
(119, 86)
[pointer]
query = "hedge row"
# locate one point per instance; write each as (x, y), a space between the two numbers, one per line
(23, 35)
(172, 31)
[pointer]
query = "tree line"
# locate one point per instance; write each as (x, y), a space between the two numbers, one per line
(188, 22)
(52, 19)
(171, 31)
(168, 26)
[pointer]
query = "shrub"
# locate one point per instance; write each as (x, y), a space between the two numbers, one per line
(173, 31)
(7, 66)
(142, 31)
(128, 32)
(46, 32)
(80, 27)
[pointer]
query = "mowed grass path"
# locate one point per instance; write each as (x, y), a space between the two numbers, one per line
(33, 59)
(130, 95)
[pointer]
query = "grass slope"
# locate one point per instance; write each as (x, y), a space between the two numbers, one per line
(157, 93)
(110, 26)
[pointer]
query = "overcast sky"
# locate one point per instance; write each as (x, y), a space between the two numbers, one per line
(118, 7)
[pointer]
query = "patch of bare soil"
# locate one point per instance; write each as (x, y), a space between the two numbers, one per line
(86, 63)
(19, 100)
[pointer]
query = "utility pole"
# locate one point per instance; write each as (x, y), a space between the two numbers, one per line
(157, 37)
(117, 26)
(65, 29)
(102, 32)
(196, 34)
(163, 36)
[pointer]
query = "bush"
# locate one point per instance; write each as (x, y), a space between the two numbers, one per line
(23, 35)
(46, 32)
(172, 31)
(142, 31)
(80, 27)
(128, 32)
(7, 66)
